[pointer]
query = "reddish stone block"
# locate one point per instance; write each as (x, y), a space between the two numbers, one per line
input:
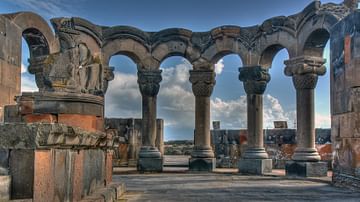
(43, 176)
(123, 152)
(26, 107)
(325, 151)
(347, 49)
(287, 150)
(86, 122)
(108, 168)
(78, 176)
(100, 123)
(11, 75)
(42, 118)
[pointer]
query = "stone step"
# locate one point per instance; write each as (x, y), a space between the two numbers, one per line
(5, 181)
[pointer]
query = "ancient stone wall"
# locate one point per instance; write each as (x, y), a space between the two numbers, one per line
(280, 144)
(345, 102)
(129, 133)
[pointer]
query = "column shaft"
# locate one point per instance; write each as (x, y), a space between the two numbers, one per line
(202, 121)
(305, 110)
(149, 121)
(255, 121)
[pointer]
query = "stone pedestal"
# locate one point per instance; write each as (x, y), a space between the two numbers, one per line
(202, 164)
(255, 160)
(150, 160)
(306, 169)
(150, 164)
(202, 157)
(255, 166)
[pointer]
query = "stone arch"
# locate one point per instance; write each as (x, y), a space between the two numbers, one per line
(314, 34)
(174, 42)
(136, 51)
(268, 54)
(226, 40)
(36, 32)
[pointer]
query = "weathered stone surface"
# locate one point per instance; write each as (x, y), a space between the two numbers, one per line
(150, 164)
(306, 169)
(255, 166)
(42, 135)
(229, 187)
(129, 133)
(21, 166)
(202, 164)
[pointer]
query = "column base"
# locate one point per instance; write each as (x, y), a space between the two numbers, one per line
(255, 166)
(150, 165)
(306, 169)
(202, 164)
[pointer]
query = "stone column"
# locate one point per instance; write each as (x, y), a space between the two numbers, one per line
(202, 157)
(305, 71)
(255, 159)
(150, 158)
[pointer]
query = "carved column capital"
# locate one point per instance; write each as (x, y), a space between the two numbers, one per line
(255, 79)
(149, 82)
(305, 71)
(203, 82)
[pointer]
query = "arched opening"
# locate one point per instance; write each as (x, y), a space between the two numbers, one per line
(280, 94)
(33, 45)
(123, 110)
(316, 43)
(27, 80)
(228, 112)
(123, 97)
(176, 106)
(279, 108)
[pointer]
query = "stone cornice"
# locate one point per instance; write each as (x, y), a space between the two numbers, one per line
(305, 65)
(46, 135)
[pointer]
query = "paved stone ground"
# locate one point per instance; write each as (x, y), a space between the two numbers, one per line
(229, 187)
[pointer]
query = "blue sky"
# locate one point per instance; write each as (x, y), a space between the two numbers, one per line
(228, 104)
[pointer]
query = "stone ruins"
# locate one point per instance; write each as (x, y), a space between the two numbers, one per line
(54, 146)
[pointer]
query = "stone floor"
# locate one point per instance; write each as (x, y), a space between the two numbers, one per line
(225, 186)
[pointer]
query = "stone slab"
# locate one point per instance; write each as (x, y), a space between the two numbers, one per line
(255, 166)
(5, 182)
(202, 164)
(306, 169)
(150, 164)
(4, 161)
(22, 173)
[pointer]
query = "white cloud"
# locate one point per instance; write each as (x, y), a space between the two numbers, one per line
(233, 113)
(48, 8)
(23, 68)
(28, 85)
(123, 98)
(219, 66)
(322, 120)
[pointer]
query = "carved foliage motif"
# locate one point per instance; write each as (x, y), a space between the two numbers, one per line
(203, 82)
(149, 82)
(255, 79)
(305, 71)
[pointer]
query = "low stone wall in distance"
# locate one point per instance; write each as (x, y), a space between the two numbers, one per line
(280, 144)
